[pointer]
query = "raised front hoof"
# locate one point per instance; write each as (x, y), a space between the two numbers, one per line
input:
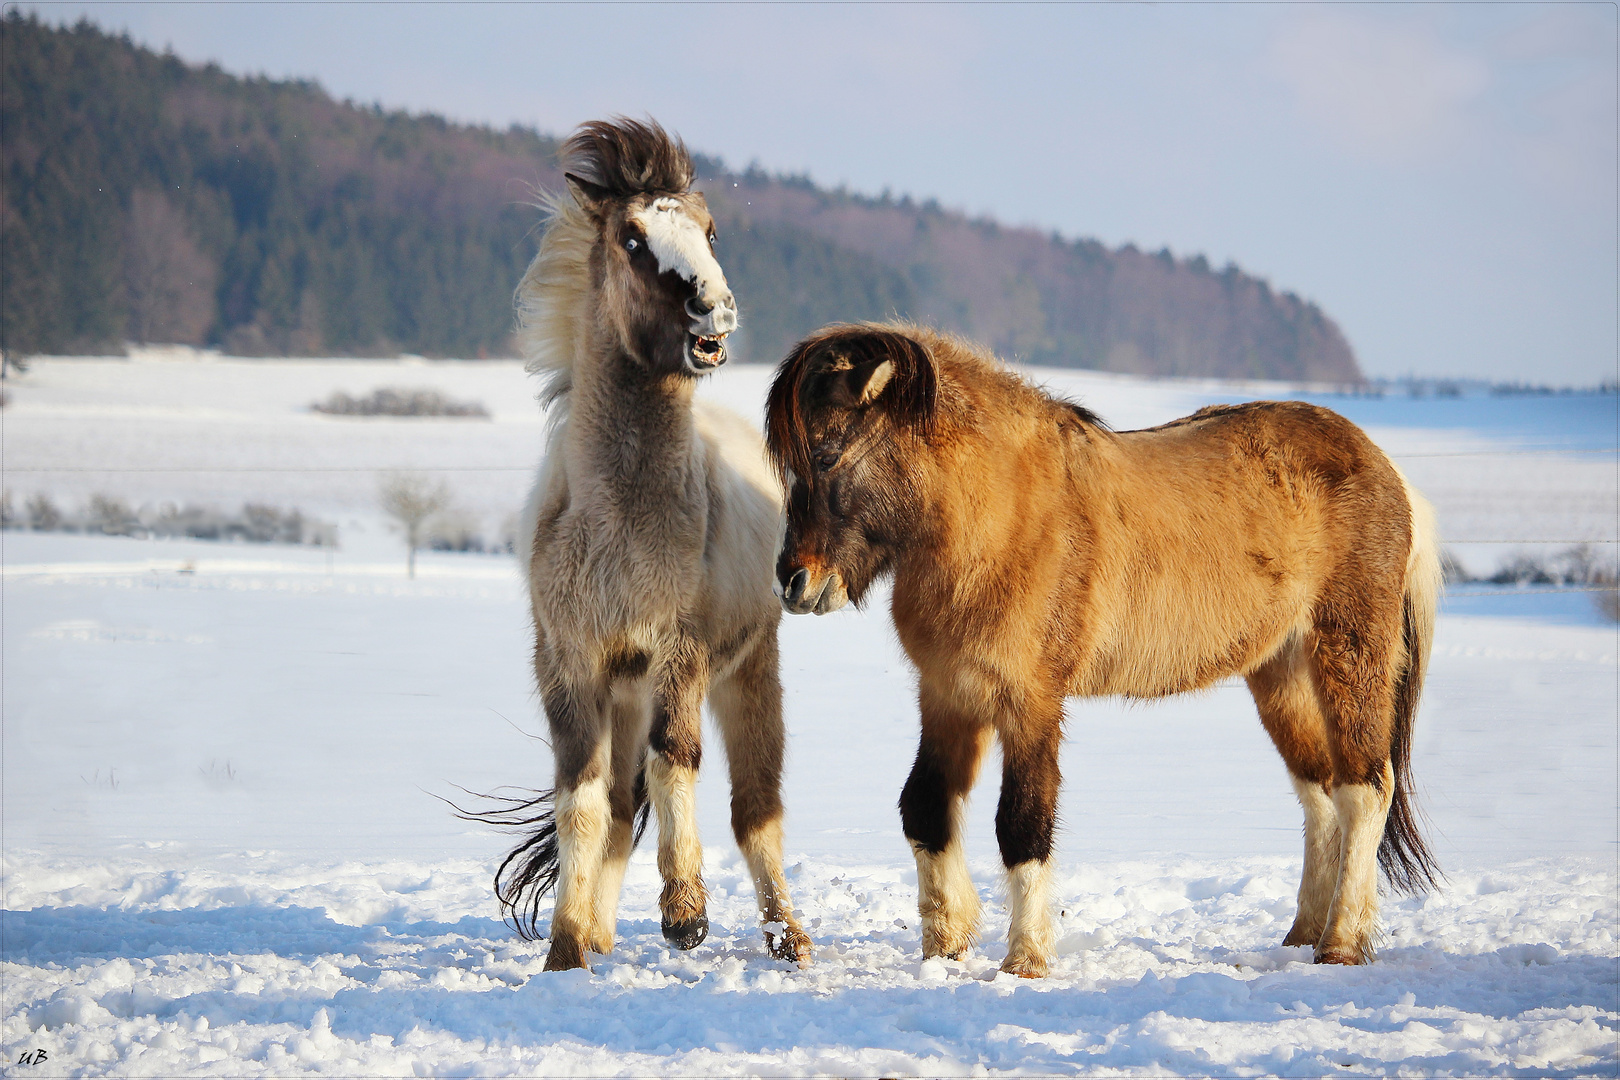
(687, 934)
(565, 955)
(1338, 954)
(1027, 966)
(792, 944)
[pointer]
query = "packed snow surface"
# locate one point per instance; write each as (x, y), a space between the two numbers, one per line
(227, 850)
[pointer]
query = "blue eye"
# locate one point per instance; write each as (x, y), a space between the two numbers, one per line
(631, 244)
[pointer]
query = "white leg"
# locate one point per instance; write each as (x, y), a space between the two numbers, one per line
(946, 898)
(1321, 876)
(785, 939)
(673, 789)
(582, 825)
(1030, 937)
(1353, 915)
(609, 884)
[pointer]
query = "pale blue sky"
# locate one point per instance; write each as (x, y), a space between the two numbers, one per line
(1441, 178)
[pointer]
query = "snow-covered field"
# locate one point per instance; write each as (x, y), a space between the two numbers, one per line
(225, 850)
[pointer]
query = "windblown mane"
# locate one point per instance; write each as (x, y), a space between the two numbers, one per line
(553, 296)
(626, 157)
(629, 157)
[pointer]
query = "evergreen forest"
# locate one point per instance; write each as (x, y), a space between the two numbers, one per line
(147, 200)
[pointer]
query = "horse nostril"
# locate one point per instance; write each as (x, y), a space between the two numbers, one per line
(797, 585)
(697, 307)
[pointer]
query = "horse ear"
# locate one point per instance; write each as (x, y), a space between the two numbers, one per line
(866, 382)
(589, 196)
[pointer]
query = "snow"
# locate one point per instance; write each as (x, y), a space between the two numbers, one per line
(226, 850)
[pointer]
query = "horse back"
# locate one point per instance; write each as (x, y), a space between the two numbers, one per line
(1219, 536)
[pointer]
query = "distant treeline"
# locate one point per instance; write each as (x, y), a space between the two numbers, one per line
(149, 200)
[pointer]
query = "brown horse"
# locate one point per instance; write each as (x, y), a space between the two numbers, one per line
(1038, 555)
(650, 535)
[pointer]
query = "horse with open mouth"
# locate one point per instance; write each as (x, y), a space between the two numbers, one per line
(648, 542)
(1037, 555)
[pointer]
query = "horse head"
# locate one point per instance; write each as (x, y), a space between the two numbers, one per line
(659, 287)
(849, 410)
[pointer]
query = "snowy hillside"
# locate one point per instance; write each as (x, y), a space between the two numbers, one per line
(226, 850)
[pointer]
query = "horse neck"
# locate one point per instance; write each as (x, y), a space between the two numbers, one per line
(970, 520)
(627, 425)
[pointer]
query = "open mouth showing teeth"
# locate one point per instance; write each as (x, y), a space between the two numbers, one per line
(709, 351)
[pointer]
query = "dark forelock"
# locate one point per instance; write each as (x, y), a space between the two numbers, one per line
(909, 398)
(629, 157)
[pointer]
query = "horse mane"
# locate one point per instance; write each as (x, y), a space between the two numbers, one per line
(554, 294)
(628, 157)
(910, 397)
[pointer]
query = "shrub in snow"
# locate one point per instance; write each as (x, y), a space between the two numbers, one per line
(43, 516)
(1452, 571)
(1578, 565)
(111, 517)
(393, 401)
(455, 531)
(107, 515)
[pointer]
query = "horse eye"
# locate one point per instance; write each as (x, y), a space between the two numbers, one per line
(631, 244)
(711, 239)
(826, 460)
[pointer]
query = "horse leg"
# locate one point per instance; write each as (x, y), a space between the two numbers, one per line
(672, 774)
(1322, 849)
(1285, 694)
(1355, 680)
(948, 755)
(1025, 820)
(582, 810)
(629, 751)
(748, 706)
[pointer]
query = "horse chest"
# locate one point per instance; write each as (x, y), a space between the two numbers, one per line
(611, 567)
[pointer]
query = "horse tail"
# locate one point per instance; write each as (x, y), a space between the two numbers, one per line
(1404, 856)
(530, 870)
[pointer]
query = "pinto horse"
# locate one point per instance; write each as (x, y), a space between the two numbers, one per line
(1038, 555)
(649, 538)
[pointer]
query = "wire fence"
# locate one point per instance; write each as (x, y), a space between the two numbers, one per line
(530, 466)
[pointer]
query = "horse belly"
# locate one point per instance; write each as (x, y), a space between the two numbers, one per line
(1171, 641)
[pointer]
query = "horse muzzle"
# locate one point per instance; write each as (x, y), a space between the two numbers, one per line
(805, 593)
(706, 334)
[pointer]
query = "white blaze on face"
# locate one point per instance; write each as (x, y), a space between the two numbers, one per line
(681, 247)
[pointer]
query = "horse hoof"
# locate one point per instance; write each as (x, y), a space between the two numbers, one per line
(792, 945)
(1025, 967)
(1337, 956)
(564, 956)
(688, 934)
(1299, 934)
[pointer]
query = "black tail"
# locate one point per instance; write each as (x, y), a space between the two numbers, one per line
(530, 870)
(1406, 860)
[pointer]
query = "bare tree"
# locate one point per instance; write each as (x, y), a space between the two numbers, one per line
(168, 281)
(412, 500)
